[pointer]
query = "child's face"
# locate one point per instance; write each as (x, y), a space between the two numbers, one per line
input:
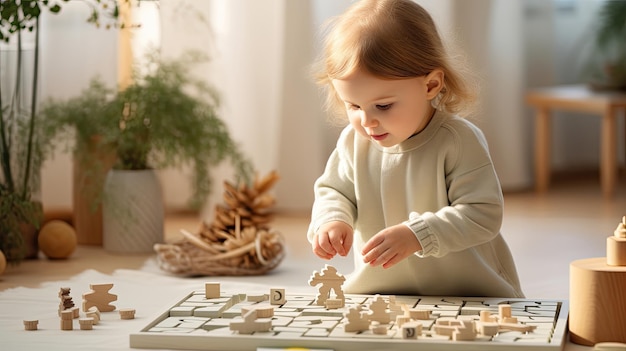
(384, 110)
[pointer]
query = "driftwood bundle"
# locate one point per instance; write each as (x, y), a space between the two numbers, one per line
(238, 242)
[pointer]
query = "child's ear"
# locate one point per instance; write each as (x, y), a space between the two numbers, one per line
(434, 83)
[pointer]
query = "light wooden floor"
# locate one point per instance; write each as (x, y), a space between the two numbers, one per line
(545, 232)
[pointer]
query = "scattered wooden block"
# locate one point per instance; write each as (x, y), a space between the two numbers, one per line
(524, 328)
(333, 304)
(277, 296)
(127, 313)
(411, 330)
(488, 328)
(258, 298)
(486, 317)
(66, 300)
(67, 324)
(261, 311)
(250, 324)
(401, 320)
(616, 251)
(212, 290)
(94, 313)
(85, 323)
(67, 315)
(504, 311)
(378, 329)
(465, 332)
(31, 324)
(418, 314)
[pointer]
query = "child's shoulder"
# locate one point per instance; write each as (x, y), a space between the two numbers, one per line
(348, 135)
(460, 126)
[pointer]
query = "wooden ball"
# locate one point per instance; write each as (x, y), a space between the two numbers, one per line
(3, 262)
(57, 239)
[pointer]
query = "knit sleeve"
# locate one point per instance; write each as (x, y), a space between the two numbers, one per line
(335, 198)
(473, 215)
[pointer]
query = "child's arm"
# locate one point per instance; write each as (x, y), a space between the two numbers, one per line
(390, 246)
(332, 238)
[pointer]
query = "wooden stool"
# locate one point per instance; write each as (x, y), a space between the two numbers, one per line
(578, 98)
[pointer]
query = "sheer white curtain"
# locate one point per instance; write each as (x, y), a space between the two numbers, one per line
(260, 55)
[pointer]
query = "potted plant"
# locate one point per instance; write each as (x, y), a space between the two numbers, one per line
(164, 118)
(21, 144)
(78, 122)
(606, 66)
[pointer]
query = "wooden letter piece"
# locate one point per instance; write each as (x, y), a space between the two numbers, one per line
(277, 296)
(411, 330)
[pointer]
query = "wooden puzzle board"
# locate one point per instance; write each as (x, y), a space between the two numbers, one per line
(198, 323)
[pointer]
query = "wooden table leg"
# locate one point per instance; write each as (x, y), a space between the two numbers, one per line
(543, 149)
(608, 152)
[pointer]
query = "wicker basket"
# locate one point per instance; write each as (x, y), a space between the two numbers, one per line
(256, 254)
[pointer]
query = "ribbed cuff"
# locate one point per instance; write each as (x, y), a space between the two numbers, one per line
(422, 232)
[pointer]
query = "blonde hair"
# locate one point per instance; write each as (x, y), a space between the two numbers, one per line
(391, 39)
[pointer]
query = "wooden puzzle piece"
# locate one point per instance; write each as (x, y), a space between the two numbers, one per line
(250, 324)
(357, 319)
(330, 280)
(262, 311)
(99, 297)
(302, 322)
(379, 313)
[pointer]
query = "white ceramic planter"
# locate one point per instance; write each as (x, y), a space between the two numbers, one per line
(132, 211)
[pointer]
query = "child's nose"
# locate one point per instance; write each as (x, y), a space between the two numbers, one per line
(368, 121)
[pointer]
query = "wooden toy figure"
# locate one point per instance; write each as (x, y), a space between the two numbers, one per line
(330, 280)
(100, 297)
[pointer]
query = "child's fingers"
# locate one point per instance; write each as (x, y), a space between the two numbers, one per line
(347, 245)
(392, 261)
(372, 244)
(323, 248)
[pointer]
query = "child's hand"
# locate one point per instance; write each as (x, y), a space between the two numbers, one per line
(332, 238)
(390, 246)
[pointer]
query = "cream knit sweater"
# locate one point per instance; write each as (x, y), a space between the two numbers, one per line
(442, 184)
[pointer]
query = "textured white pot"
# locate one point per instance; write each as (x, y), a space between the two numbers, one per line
(132, 211)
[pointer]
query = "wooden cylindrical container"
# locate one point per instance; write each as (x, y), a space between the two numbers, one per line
(597, 307)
